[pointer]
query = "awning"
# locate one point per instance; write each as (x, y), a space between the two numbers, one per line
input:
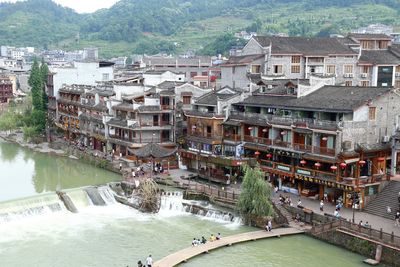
(348, 161)
(331, 160)
(302, 130)
(232, 123)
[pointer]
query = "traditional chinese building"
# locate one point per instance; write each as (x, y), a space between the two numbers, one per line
(6, 91)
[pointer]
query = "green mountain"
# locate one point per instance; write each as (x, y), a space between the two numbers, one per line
(139, 26)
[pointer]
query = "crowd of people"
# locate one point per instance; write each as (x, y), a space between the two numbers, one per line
(148, 262)
(197, 241)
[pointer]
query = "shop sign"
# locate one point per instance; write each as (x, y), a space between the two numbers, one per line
(283, 168)
(304, 172)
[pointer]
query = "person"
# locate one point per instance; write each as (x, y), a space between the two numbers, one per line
(290, 202)
(388, 209)
(133, 173)
(360, 223)
(336, 213)
(325, 196)
(194, 242)
(321, 205)
(299, 203)
(366, 224)
(219, 236)
(212, 238)
(276, 189)
(270, 225)
(149, 261)
(266, 227)
(140, 264)
(397, 219)
(120, 166)
(297, 218)
(203, 240)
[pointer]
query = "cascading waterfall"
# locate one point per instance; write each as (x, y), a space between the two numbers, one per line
(79, 197)
(173, 202)
(29, 207)
(107, 195)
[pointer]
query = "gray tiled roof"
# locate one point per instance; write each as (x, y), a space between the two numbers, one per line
(211, 99)
(304, 45)
(361, 36)
(242, 60)
(149, 108)
(326, 99)
(379, 57)
(169, 84)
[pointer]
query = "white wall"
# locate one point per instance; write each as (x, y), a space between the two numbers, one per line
(151, 79)
(84, 73)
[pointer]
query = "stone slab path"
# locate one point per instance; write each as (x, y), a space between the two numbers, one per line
(188, 253)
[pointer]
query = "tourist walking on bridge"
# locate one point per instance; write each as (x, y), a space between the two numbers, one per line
(321, 205)
(397, 219)
(149, 261)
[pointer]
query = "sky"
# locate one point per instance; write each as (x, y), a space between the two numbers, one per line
(81, 6)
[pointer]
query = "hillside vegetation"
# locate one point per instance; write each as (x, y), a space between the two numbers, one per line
(149, 26)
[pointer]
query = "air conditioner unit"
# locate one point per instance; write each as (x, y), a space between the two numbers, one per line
(346, 75)
(385, 139)
(364, 75)
(397, 74)
(350, 75)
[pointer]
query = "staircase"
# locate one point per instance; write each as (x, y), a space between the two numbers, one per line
(388, 197)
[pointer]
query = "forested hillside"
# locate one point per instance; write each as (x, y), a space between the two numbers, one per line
(148, 26)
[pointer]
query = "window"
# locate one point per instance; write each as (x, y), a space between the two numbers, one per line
(192, 74)
(295, 69)
(383, 44)
(397, 84)
(204, 73)
(296, 59)
(348, 69)
(255, 68)
(278, 69)
(398, 69)
(187, 100)
(105, 77)
(364, 83)
(372, 113)
(365, 69)
(348, 83)
(330, 69)
(367, 44)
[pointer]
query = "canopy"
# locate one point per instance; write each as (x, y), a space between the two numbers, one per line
(152, 150)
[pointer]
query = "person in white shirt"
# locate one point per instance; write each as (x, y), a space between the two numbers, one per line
(149, 261)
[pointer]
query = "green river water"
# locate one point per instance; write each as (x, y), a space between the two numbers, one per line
(115, 235)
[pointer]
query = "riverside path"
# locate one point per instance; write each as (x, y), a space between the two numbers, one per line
(190, 252)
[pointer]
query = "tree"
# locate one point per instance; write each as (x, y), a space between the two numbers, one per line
(36, 83)
(44, 71)
(254, 200)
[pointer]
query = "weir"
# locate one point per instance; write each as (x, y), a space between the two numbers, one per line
(67, 202)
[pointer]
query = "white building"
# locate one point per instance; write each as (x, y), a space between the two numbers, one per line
(84, 73)
(153, 78)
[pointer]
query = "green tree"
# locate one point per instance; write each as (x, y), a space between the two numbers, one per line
(8, 122)
(44, 71)
(254, 200)
(36, 83)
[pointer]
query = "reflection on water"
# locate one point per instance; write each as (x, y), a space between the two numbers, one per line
(24, 173)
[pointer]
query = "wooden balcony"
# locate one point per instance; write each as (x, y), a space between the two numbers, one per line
(324, 151)
(232, 137)
(331, 176)
(303, 147)
(281, 143)
(257, 140)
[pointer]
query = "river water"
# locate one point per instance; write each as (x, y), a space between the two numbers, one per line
(39, 231)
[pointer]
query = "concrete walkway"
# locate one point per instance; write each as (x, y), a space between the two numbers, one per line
(376, 222)
(187, 253)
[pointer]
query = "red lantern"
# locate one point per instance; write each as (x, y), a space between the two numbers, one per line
(303, 162)
(257, 153)
(317, 165)
(361, 162)
(283, 132)
(269, 155)
(324, 138)
(333, 168)
(342, 165)
(380, 159)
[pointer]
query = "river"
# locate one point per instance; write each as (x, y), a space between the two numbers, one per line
(38, 231)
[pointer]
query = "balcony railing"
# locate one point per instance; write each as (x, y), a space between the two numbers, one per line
(302, 147)
(257, 140)
(281, 143)
(324, 151)
(232, 137)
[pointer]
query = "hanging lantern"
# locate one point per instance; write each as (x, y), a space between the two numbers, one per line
(303, 162)
(269, 155)
(324, 138)
(380, 159)
(342, 165)
(257, 153)
(250, 128)
(317, 165)
(361, 162)
(333, 168)
(264, 130)
(283, 132)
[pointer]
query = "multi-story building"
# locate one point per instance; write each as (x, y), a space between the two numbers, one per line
(138, 120)
(93, 111)
(310, 140)
(84, 73)
(6, 89)
(202, 151)
(357, 60)
(190, 67)
(68, 108)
